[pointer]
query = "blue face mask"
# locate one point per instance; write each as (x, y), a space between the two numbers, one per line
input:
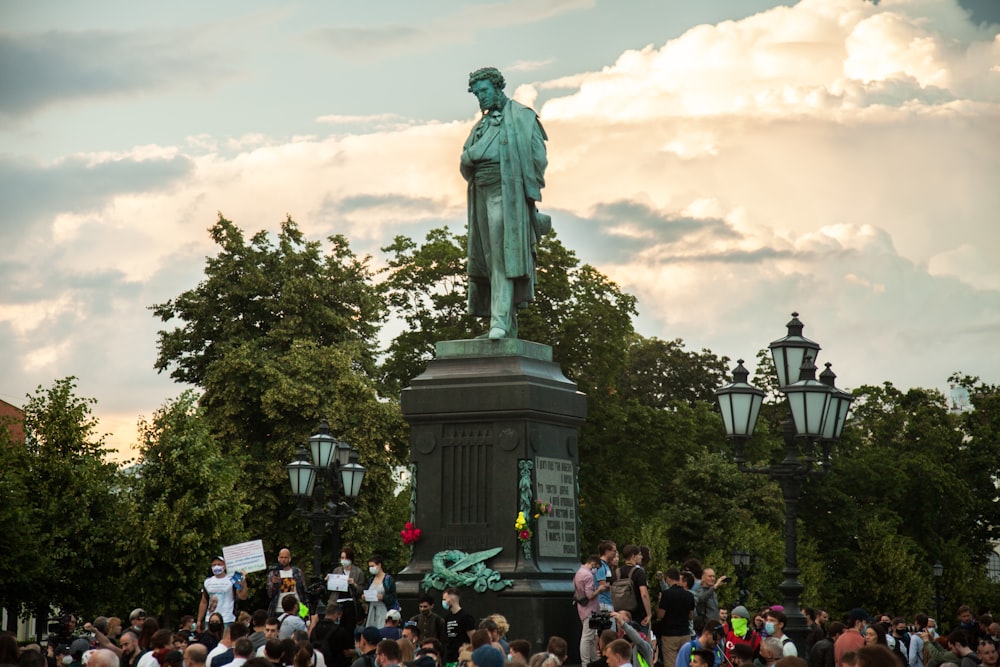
(769, 628)
(445, 605)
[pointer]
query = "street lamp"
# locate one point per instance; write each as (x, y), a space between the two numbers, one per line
(334, 463)
(818, 411)
(741, 566)
(938, 572)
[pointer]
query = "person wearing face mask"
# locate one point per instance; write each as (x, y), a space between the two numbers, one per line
(853, 637)
(383, 588)
(738, 632)
(219, 594)
(459, 625)
(774, 624)
(429, 624)
(356, 579)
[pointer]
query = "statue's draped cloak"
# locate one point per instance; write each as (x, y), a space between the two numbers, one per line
(522, 174)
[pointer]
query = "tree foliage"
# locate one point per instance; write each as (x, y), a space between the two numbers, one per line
(278, 336)
(193, 501)
(76, 502)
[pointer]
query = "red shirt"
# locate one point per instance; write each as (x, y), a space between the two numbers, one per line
(850, 640)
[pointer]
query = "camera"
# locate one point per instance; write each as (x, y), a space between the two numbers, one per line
(718, 633)
(59, 630)
(600, 621)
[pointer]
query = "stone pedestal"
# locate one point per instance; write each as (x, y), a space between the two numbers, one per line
(494, 427)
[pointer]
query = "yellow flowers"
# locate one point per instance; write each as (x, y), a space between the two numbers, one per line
(521, 521)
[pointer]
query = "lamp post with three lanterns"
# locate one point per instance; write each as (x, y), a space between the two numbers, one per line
(818, 411)
(335, 463)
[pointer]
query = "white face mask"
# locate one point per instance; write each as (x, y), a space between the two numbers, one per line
(373, 569)
(217, 570)
(344, 562)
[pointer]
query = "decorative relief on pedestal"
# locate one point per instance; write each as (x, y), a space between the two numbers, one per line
(524, 497)
(457, 568)
(467, 467)
(508, 439)
(425, 442)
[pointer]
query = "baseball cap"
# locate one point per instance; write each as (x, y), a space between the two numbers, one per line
(137, 613)
(79, 646)
(393, 614)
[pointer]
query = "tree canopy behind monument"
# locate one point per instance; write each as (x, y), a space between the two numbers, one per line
(279, 334)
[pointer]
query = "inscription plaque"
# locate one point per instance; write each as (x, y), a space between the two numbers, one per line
(555, 482)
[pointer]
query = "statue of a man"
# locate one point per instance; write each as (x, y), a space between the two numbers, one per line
(504, 162)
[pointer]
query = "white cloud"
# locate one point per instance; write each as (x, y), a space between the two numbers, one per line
(836, 157)
(814, 58)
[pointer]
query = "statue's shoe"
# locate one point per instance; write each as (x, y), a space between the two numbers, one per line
(497, 332)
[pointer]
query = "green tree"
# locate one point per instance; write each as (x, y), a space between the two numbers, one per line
(660, 372)
(902, 458)
(20, 566)
(77, 506)
(193, 502)
(425, 286)
(278, 336)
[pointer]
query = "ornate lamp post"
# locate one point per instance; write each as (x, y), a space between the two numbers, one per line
(938, 572)
(742, 567)
(818, 410)
(334, 463)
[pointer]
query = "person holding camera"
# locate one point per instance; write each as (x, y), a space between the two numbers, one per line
(585, 593)
(642, 650)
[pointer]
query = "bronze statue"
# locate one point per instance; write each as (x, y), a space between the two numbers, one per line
(504, 162)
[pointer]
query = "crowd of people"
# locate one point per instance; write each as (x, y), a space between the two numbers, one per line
(673, 619)
(629, 619)
(355, 621)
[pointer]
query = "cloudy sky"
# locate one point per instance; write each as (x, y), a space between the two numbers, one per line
(727, 161)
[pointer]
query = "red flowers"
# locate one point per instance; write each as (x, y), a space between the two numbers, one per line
(410, 533)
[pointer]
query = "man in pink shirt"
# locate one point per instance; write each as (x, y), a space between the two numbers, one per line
(852, 638)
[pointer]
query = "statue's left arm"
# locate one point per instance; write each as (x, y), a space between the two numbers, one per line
(530, 137)
(539, 159)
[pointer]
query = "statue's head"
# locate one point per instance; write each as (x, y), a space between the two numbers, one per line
(487, 84)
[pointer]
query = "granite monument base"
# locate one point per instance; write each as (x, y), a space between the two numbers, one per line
(494, 429)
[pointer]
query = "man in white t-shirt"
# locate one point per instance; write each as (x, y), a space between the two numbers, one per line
(219, 593)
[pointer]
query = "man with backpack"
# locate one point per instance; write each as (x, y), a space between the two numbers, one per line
(631, 592)
(899, 639)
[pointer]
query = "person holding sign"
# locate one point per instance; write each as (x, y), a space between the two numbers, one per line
(380, 594)
(219, 594)
(348, 596)
(282, 580)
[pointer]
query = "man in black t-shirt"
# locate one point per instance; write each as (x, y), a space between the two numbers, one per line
(642, 614)
(459, 625)
(674, 613)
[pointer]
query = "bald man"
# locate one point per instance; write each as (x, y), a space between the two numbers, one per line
(284, 579)
(103, 657)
